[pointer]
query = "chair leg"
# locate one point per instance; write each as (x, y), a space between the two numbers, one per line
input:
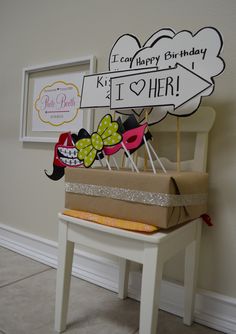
(65, 258)
(123, 278)
(150, 290)
(190, 276)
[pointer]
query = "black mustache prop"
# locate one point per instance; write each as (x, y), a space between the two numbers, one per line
(57, 174)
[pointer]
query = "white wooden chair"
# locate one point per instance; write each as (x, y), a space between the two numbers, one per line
(152, 251)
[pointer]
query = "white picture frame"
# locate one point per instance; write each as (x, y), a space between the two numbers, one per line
(30, 76)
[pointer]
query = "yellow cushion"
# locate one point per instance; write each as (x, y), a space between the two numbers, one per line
(113, 222)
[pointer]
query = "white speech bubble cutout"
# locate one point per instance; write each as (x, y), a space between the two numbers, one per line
(58, 103)
(198, 52)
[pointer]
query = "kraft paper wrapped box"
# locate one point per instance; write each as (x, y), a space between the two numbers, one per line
(163, 200)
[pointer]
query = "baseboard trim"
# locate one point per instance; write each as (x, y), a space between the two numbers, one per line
(212, 309)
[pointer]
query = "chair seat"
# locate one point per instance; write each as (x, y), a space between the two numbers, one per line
(151, 238)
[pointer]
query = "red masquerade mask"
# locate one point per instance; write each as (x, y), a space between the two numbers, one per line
(132, 139)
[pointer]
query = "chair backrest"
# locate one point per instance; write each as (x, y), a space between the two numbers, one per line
(200, 124)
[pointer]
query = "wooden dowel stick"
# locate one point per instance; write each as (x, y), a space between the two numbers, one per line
(178, 144)
(145, 152)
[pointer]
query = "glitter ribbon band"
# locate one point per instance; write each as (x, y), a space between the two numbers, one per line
(136, 196)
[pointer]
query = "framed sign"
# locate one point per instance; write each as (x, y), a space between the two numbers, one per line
(51, 96)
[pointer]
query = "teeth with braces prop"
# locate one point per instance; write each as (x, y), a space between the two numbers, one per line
(68, 156)
(71, 162)
(68, 152)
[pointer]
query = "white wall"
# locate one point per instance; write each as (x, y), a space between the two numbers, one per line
(36, 32)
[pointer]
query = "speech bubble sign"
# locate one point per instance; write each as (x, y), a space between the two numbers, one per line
(199, 52)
